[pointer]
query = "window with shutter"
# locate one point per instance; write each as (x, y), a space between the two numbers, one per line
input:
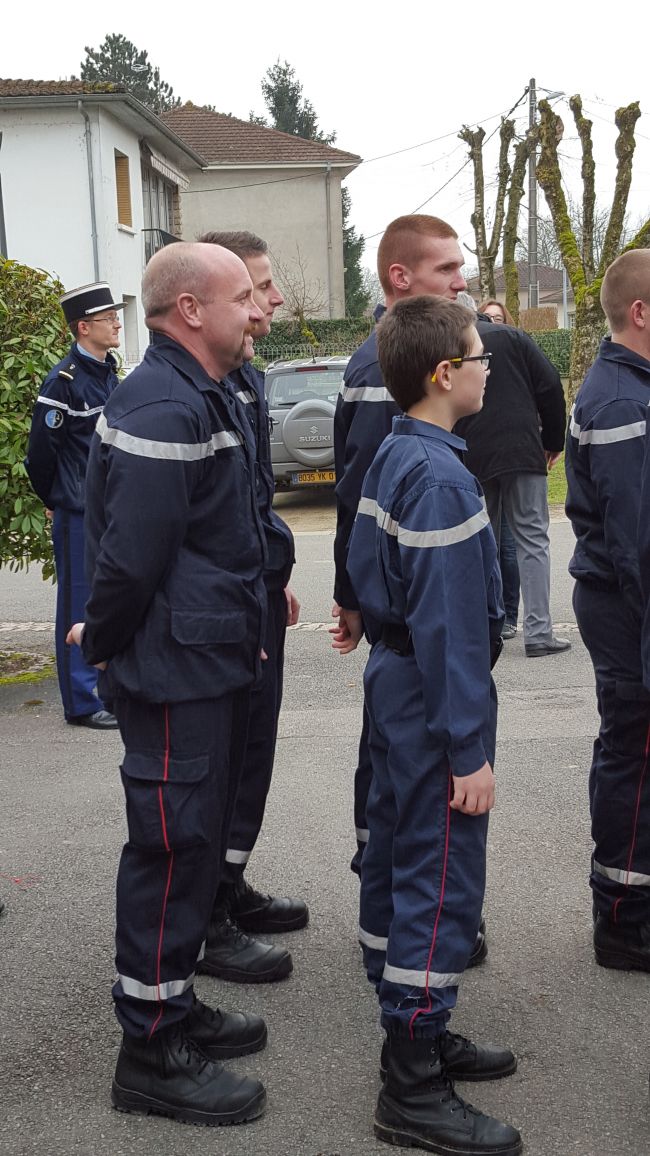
(123, 185)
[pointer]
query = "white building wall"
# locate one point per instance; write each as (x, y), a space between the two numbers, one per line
(45, 192)
(291, 215)
(46, 200)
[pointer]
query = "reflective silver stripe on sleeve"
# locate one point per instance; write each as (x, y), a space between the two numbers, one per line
(246, 396)
(628, 878)
(604, 437)
(50, 401)
(364, 393)
(237, 856)
(165, 451)
(362, 834)
(158, 991)
(423, 979)
(425, 539)
(378, 942)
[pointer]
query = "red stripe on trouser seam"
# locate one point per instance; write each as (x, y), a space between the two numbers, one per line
(169, 870)
(420, 1010)
(636, 819)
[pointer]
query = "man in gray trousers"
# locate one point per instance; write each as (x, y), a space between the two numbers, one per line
(512, 444)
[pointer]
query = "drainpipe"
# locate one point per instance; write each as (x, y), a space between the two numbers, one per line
(328, 211)
(91, 188)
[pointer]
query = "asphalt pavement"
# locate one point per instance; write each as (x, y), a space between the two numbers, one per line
(580, 1032)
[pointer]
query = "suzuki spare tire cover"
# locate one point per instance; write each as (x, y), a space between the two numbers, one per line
(308, 433)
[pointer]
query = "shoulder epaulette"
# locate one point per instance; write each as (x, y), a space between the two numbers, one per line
(68, 372)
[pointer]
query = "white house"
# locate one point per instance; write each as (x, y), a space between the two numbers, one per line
(90, 183)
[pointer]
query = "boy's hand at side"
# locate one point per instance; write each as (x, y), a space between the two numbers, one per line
(474, 794)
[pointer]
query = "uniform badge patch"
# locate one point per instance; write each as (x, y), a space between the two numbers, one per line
(53, 418)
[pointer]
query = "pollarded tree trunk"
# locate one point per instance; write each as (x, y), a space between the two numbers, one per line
(589, 329)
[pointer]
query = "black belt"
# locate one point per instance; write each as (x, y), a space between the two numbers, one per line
(397, 637)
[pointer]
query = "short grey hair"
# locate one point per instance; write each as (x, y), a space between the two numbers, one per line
(467, 300)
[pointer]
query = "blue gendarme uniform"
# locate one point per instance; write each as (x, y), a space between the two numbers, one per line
(266, 695)
(71, 399)
(176, 553)
(604, 467)
(424, 566)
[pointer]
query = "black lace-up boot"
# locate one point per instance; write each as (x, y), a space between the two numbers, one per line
(418, 1107)
(221, 1034)
(170, 1076)
(465, 1060)
(263, 914)
(232, 954)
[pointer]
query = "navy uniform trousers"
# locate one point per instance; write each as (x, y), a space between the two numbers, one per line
(423, 870)
(260, 734)
(77, 680)
(619, 780)
(180, 773)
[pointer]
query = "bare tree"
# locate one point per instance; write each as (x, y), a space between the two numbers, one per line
(303, 296)
(584, 269)
(486, 251)
(523, 150)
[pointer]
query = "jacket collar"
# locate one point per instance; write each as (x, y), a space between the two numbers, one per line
(612, 351)
(91, 364)
(403, 424)
(184, 361)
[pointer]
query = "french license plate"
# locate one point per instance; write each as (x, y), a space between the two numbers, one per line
(313, 477)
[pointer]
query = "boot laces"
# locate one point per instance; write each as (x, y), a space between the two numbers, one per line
(205, 1011)
(192, 1053)
(246, 889)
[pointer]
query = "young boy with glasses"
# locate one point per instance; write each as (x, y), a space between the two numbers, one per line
(424, 567)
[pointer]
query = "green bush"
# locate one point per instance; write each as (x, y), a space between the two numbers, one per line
(33, 337)
(556, 344)
(286, 341)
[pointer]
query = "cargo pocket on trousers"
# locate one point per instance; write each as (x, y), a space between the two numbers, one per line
(167, 806)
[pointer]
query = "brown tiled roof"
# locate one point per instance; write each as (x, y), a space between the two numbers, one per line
(549, 278)
(223, 139)
(55, 87)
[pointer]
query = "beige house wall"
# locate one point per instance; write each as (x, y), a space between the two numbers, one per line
(291, 215)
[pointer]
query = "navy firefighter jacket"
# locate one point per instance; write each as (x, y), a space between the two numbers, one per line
(66, 411)
(175, 548)
(363, 418)
(604, 462)
(248, 384)
(422, 554)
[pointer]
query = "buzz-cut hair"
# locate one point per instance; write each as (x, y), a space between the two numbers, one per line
(626, 280)
(240, 242)
(402, 242)
(414, 336)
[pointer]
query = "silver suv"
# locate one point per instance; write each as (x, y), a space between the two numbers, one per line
(302, 398)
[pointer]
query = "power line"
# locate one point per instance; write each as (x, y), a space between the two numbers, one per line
(463, 166)
(369, 161)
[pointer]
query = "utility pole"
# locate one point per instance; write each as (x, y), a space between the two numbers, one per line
(533, 282)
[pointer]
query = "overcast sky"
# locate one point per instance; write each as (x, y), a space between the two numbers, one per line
(385, 78)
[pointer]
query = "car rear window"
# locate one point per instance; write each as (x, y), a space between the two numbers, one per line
(290, 388)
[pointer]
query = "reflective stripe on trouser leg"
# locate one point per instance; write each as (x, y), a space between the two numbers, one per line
(77, 680)
(261, 731)
(620, 771)
(436, 854)
(176, 771)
